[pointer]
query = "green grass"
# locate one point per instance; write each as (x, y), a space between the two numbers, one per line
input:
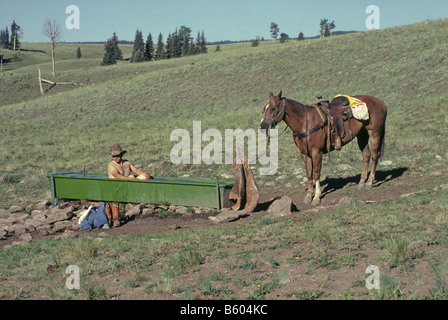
(72, 127)
(138, 106)
(181, 262)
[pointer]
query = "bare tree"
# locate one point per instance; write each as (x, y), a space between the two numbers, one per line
(52, 29)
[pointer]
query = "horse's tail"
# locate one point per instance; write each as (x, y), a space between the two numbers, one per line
(383, 140)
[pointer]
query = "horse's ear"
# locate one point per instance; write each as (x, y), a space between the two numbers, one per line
(280, 94)
(271, 94)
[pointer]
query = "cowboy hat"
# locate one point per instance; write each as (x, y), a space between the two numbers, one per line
(116, 150)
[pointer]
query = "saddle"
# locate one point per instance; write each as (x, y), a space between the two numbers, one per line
(337, 111)
(245, 190)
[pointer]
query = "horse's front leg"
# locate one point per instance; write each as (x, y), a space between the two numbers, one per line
(317, 165)
(309, 174)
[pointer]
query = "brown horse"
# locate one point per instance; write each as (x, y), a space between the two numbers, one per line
(310, 134)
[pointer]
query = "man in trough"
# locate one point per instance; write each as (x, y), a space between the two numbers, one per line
(120, 168)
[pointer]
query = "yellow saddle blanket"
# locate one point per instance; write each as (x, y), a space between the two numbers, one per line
(359, 108)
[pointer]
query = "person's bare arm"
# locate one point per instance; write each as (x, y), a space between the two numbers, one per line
(139, 171)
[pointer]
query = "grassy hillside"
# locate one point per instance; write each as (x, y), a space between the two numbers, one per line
(138, 105)
(322, 253)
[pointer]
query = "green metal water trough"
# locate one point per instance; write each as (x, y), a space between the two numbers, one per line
(189, 192)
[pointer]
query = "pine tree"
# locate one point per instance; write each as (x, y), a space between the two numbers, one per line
(4, 39)
(173, 45)
(300, 37)
(169, 46)
(149, 48)
(160, 51)
(109, 55)
(193, 49)
(138, 53)
(115, 49)
(203, 43)
(198, 42)
(185, 40)
(78, 53)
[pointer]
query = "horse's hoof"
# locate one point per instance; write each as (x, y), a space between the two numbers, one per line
(368, 185)
(361, 185)
(316, 201)
(307, 200)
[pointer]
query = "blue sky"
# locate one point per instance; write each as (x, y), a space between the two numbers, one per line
(220, 19)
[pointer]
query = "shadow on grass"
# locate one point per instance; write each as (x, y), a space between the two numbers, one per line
(381, 176)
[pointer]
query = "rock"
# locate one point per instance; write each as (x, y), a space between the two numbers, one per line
(3, 234)
(4, 214)
(182, 210)
(18, 217)
(44, 229)
(281, 207)
(134, 210)
(38, 215)
(197, 210)
(147, 211)
(26, 237)
(17, 229)
(438, 157)
(59, 214)
(14, 209)
(33, 223)
(62, 225)
(228, 215)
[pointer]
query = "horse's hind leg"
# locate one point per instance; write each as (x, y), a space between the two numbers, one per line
(375, 144)
(363, 144)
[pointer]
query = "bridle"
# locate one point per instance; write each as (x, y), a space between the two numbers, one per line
(281, 112)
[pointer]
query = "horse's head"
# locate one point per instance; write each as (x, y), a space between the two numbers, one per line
(274, 111)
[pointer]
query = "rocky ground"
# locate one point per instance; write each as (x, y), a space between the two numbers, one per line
(20, 225)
